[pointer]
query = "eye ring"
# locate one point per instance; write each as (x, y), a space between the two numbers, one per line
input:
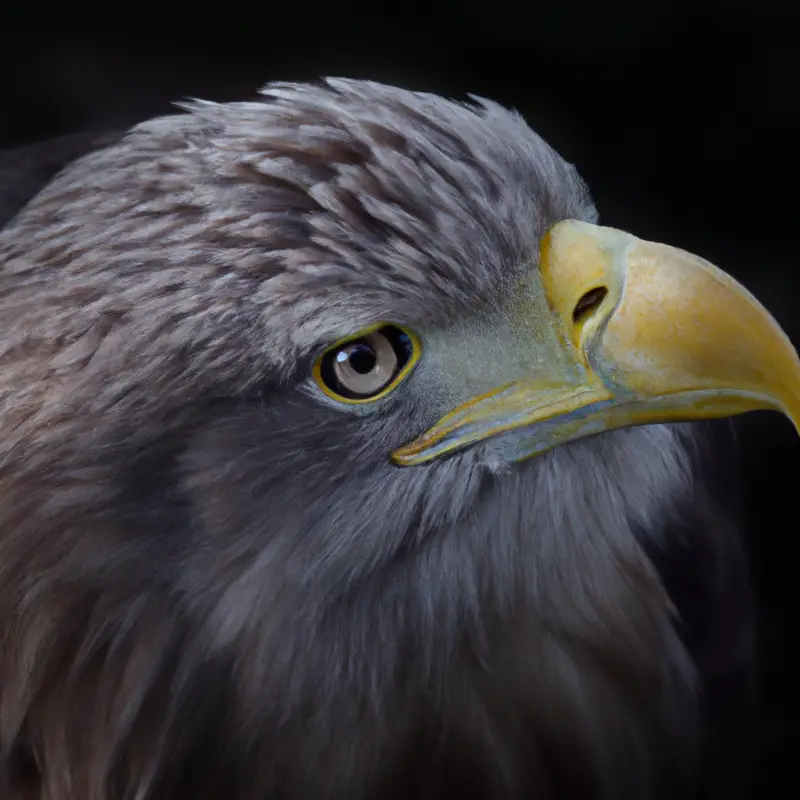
(368, 366)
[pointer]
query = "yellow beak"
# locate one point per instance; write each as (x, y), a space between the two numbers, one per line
(643, 333)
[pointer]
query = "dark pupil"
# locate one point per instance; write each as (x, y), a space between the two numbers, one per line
(362, 358)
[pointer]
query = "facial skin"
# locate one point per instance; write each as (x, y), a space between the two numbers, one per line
(217, 580)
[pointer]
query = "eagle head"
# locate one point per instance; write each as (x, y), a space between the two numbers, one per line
(338, 440)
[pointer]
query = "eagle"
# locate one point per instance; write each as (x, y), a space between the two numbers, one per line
(346, 456)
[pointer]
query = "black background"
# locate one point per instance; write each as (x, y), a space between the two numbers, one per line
(680, 114)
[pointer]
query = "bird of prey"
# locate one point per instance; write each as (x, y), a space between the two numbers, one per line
(346, 456)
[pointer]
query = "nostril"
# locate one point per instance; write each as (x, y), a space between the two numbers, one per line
(588, 304)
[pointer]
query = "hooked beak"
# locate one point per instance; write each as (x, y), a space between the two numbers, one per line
(643, 333)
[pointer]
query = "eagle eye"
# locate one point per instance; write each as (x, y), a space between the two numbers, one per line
(368, 366)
